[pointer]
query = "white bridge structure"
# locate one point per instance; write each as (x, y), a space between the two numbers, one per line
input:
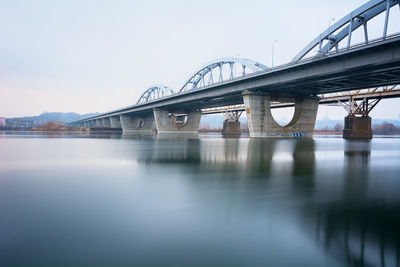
(338, 66)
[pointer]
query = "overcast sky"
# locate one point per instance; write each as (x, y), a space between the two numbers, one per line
(95, 56)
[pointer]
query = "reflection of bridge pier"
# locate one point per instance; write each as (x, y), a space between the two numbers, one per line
(351, 223)
(167, 150)
(304, 159)
(360, 236)
(259, 155)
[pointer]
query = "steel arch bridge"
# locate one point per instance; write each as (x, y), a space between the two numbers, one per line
(204, 76)
(336, 67)
(225, 69)
(155, 92)
(345, 27)
(197, 80)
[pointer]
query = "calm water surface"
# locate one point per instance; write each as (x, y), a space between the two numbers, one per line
(112, 200)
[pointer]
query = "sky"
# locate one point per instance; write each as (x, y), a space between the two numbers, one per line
(95, 56)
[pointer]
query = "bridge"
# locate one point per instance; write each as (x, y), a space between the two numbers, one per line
(337, 66)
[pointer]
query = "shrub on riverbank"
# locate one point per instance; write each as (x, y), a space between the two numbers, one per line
(56, 126)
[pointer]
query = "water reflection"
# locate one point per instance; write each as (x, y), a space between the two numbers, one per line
(357, 153)
(351, 226)
(190, 201)
(355, 227)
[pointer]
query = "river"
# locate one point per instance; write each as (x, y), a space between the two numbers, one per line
(116, 200)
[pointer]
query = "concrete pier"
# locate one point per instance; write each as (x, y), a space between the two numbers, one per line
(178, 122)
(115, 122)
(99, 123)
(106, 122)
(231, 128)
(262, 124)
(137, 124)
(357, 127)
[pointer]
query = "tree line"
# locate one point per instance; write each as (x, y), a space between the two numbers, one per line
(378, 128)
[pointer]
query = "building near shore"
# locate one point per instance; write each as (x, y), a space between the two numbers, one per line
(24, 124)
(2, 121)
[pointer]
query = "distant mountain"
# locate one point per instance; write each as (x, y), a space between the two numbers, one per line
(55, 116)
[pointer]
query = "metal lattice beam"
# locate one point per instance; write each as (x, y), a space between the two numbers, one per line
(197, 79)
(155, 92)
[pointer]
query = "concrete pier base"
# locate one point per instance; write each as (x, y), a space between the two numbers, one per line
(173, 123)
(262, 124)
(137, 124)
(231, 128)
(357, 127)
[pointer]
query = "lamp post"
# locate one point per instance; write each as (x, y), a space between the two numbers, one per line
(273, 47)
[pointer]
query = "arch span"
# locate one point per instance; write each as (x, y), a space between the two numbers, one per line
(155, 92)
(347, 25)
(198, 79)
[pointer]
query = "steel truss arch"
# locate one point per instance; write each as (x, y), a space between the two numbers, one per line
(155, 92)
(347, 25)
(198, 78)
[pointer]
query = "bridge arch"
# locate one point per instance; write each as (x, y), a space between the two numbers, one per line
(344, 27)
(204, 76)
(155, 92)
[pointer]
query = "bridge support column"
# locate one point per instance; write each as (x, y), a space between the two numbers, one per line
(134, 124)
(357, 127)
(106, 122)
(262, 124)
(115, 122)
(231, 126)
(178, 122)
(86, 124)
(99, 123)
